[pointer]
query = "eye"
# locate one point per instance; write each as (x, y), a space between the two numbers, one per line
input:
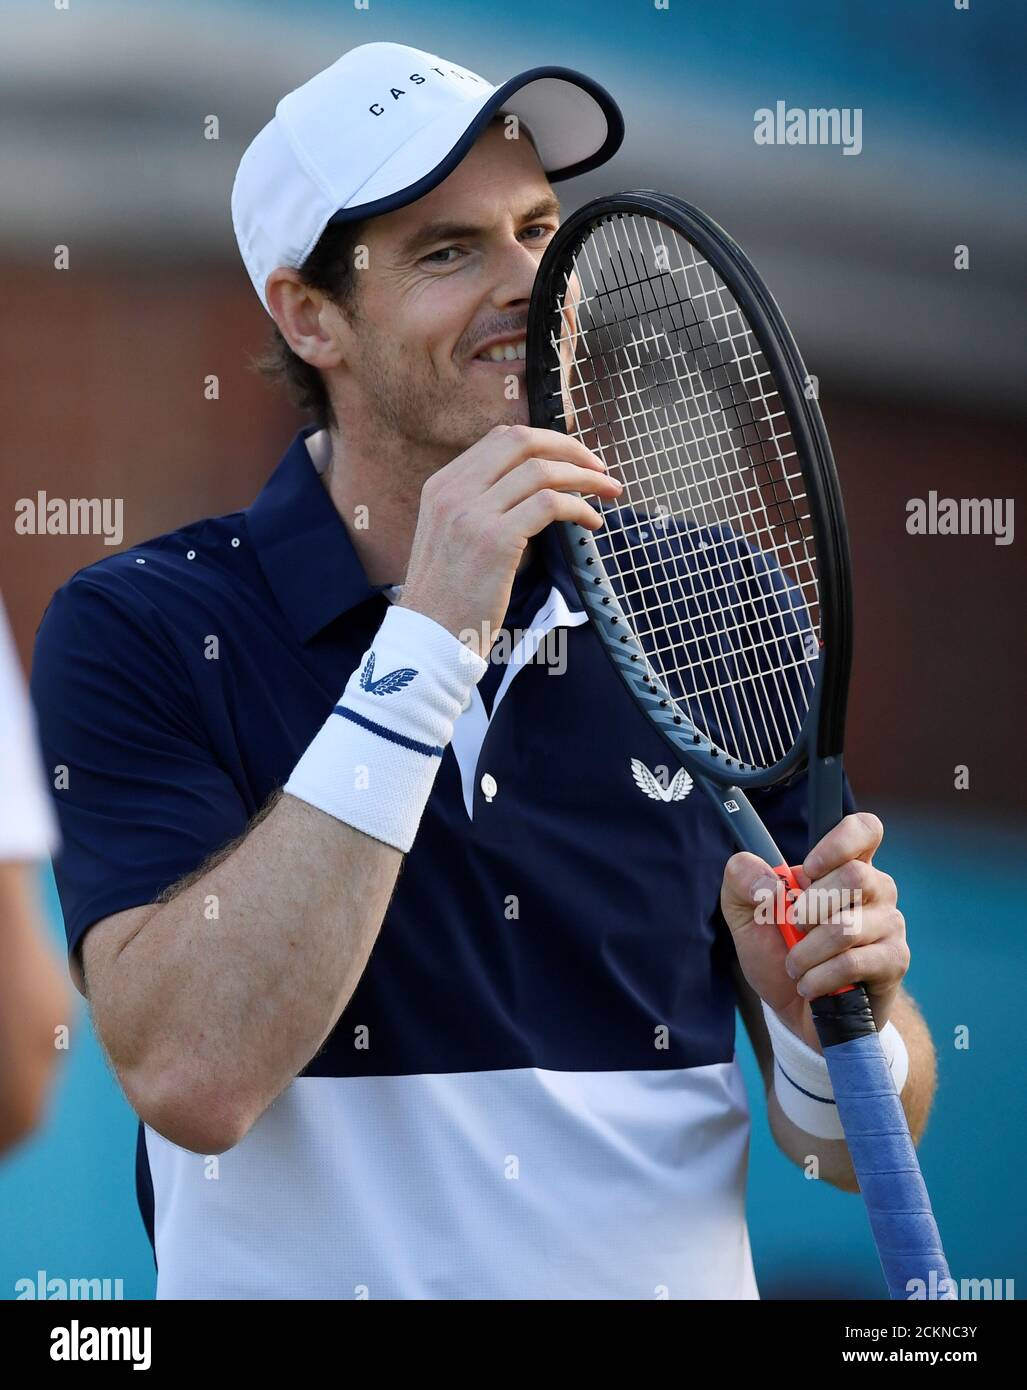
(540, 228)
(432, 257)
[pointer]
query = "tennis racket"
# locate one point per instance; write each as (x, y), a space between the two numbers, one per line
(720, 584)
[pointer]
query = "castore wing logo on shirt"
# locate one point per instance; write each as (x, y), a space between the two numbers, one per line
(646, 781)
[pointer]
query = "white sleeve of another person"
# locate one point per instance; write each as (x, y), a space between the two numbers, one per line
(28, 827)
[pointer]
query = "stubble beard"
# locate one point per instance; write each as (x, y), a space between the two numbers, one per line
(419, 415)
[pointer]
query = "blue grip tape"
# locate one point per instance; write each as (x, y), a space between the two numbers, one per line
(889, 1175)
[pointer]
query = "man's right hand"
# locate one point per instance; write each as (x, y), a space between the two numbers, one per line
(478, 514)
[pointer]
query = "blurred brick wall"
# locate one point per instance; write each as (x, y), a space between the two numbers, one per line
(102, 395)
(102, 391)
(939, 674)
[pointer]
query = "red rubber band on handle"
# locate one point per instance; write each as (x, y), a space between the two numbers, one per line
(782, 902)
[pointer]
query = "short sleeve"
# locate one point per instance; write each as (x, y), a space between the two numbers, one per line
(141, 799)
(28, 827)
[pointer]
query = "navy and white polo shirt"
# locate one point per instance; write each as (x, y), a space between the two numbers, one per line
(533, 1092)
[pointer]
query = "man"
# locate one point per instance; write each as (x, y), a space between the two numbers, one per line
(502, 1065)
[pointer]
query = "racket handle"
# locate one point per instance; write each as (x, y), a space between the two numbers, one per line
(881, 1149)
(788, 929)
(791, 885)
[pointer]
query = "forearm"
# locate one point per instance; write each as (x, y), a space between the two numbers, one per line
(832, 1156)
(218, 998)
(231, 986)
(34, 1002)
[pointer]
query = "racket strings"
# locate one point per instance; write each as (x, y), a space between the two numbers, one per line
(710, 552)
(748, 711)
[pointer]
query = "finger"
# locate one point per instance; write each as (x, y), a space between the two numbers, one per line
(505, 446)
(853, 883)
(536, 473)
(844, 930)
(878, 966)
(855, 837)
(536, 512)
(746, 878)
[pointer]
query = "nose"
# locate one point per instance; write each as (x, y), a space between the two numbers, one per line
(515, 269)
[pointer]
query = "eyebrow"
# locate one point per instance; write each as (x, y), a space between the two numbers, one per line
(430, 232)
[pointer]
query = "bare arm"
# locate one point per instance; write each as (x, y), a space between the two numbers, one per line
(832, 1155)
(34, 1002)
(210, 1003)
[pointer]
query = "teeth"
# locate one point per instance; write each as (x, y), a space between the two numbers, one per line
(503, 352)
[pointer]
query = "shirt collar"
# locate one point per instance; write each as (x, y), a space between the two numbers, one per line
(559, 570)
(308, 557)
(303, 546)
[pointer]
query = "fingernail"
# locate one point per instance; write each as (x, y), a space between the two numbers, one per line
(765, 884)
(792, 968)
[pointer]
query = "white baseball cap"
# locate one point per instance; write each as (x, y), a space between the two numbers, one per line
(381, 127)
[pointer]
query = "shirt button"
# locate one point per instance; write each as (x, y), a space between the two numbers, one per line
(489, 786)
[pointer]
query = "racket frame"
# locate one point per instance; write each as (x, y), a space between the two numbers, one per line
(820, 738)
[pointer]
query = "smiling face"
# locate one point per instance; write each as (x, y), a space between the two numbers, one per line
(434, 351)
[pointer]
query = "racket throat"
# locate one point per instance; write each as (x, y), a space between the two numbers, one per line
(825, 796)
(744, 825)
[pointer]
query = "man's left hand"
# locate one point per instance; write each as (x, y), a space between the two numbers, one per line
(858, 933)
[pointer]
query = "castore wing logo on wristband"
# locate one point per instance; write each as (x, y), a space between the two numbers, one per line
(387, 684)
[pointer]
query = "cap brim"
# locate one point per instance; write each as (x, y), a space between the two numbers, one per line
(575, 123)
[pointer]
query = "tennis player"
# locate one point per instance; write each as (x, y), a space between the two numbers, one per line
(420, 942)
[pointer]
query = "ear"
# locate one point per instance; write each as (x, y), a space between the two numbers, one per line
(306, 318)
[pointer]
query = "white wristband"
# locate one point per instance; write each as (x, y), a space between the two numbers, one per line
(801, 1081)
(374, 761)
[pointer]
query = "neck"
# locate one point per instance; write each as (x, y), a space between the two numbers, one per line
(378, 497)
